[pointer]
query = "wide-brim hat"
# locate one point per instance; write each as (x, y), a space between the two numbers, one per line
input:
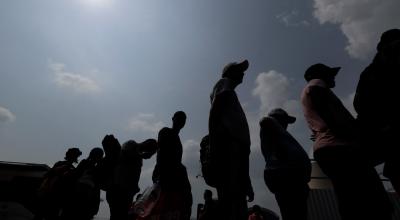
(282, 114)
(320, 71)
(234, 67)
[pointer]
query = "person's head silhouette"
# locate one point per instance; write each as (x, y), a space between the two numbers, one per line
(235, 71)
(96, 154)
(72, 155)
(323, 72)
(178, 120)
(387, 38)
(282, 117)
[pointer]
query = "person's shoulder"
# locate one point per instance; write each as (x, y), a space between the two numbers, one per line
(60, 163)
(267, 122)
(165, 131)
(317, 90)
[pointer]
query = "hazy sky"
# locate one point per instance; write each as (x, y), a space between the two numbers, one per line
(72, 71)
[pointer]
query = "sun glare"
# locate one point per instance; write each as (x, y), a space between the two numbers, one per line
(97, 3)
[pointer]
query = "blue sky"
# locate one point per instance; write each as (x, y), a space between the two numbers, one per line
(72, 71)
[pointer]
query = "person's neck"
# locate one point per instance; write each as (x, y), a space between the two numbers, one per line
(175, 129)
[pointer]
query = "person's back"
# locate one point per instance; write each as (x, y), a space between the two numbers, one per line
(128, 168)
(106, 166)
(376, 107)
(376, 92)
(288, 168)
(169, 170)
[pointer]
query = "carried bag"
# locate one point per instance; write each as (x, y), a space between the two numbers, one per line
(145, 204)
(207, 165)
(54, 181)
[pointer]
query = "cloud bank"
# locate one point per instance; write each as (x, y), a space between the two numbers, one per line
(74, 81)
(361, 21)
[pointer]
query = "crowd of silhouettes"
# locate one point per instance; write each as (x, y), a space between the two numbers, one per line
(346, 148)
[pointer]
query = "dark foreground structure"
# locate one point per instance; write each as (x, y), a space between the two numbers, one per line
(18, 185)
(322, 203)
(19, 181)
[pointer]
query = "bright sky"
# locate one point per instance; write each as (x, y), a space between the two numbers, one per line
(72, 71)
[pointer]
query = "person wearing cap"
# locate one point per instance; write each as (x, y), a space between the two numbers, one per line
(376, 107)
(230, 144)
(359, 191)
(288, 168)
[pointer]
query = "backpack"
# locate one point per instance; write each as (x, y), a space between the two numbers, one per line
(207, 167)
(55, 180)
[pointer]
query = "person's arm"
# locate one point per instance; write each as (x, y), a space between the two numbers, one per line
(332, 112)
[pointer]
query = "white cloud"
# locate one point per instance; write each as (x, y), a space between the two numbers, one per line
(6, 115)
(361, 21)
(292, 19)
(146, 123)
(272, 88)
(71, 80)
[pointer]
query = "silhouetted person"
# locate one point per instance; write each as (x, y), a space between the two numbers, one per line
(230, 144)
(376, 104)
(127, 175)
(55, 191)
(256, 215)
(85, 196)
(358, 188)
(288, 168)
(107, 166)
(209, 210)
(169, 172)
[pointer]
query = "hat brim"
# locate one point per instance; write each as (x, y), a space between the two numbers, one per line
(291, 119)
(243, 66)
(335, 70)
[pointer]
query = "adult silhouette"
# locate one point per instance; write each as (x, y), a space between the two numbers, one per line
(107, 165)
(85, 196)
(209, 209)
(376, 106)
(230, 144)
(127, 175)
(169, 172)
(288, 168)
(358, 188)
(55, 190)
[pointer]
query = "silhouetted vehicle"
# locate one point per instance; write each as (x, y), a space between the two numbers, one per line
(18, 186)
